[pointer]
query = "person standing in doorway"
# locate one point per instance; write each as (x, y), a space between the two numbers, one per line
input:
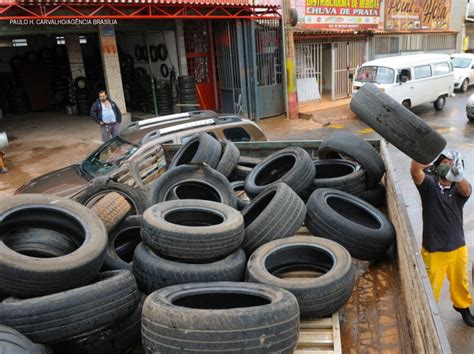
(444, 191)
(106, 112)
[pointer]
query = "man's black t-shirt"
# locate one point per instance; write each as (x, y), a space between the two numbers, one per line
(442, 216)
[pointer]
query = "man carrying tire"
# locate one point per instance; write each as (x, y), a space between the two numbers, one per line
(106, 112)
(444, 191)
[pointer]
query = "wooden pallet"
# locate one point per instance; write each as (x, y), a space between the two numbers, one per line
(320, 336)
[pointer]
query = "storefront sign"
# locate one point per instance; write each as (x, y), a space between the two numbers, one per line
(342, 14)
(409, 15)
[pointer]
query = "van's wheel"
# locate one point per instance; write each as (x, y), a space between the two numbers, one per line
(406, 104)
(465, 85)
(439, 103)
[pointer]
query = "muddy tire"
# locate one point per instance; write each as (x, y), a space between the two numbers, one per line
(111, 209)
(24, 275)
(339, 174)
(13, 342)
(53, 318)
(203, 317)
(202, 148)
(113, 338)
(355, 224)
(359, 150)
(278, 212)
(154, 272)
(318, 295)
(229, 159)
(100, 187)
(398, 125)
(292, 166)
(123, 240)
(192, 182)
(195, 230)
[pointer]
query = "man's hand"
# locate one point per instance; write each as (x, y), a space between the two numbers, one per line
(101, 123)
(456, 172)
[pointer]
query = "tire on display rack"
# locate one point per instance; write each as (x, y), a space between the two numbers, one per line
(331, 277)
(203, 317)
(193, 230)
(28, 274)
(154, 272)
(359, 150)
(358, 226)
(397, 124)
(292, 166)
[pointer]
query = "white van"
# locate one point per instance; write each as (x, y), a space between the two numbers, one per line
(463, 68)
(412, 80)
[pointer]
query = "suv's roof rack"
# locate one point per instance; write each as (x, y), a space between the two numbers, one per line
(170, 117)
(175, 128)
(228, 119)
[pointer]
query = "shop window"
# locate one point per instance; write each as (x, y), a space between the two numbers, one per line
(441, 69)
(386, 45)
(422, 72)
(236, 134)
(21, 42)
(82, 39)
(60, 40)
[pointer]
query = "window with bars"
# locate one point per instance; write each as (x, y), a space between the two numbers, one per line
(268, 39)
(441, 41)
(386, 45)
(196, 41)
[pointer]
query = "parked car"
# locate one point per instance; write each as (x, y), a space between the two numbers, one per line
(412, 80)
(470, 107)
(136, 139)
(463, 68)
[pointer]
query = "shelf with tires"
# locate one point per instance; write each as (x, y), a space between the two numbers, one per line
(262, 247)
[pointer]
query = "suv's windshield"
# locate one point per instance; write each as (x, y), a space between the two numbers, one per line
(108, 157)
(459, 62)
(377, 74)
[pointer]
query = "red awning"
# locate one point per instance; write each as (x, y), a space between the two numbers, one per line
(157, 2)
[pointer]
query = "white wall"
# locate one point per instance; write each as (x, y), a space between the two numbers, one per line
(128, 41)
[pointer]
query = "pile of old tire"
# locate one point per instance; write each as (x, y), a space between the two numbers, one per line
(397, 124)
(82, 96)
(187, 92)
(51, 253)
(18, 100)
(164, 98)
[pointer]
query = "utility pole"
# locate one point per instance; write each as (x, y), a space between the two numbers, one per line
(292, 111)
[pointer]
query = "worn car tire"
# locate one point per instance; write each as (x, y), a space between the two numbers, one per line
(25, 276)
(154, 272)
(57, 317)
(375, 196)
(358, 226)
(229, 159)
(318, 296)
(339, 174)
(123, 240)
(397, 124)
(190, 229)
(220, 317)
(292, 166)
(359, 150)
(242, 198)
(101, 186)
(201, 148)
(13, 342)
(192, 182)
(118, 337)
(278, 212)
(244, 166)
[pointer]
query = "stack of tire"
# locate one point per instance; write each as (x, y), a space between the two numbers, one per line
(164, 98)
(81, 86)
(187, 93)
(52, 289)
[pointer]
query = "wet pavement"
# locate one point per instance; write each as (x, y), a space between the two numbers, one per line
(42, 142)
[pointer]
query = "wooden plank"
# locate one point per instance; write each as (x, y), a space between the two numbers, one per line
(336, 333)
(317, 323)
(316, 338)
(313, 351)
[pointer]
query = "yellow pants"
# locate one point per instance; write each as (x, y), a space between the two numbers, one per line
(454, 265)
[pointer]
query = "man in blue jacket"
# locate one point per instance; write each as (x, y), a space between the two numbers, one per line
(106, 112)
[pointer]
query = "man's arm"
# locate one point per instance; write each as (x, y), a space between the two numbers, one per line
(94, 112)
(464, 188)
(417, 173)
